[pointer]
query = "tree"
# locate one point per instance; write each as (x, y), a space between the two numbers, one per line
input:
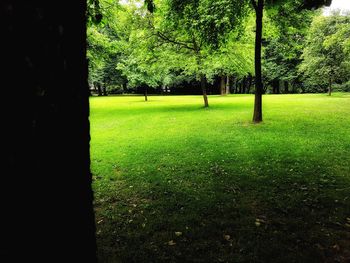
(326, 56)
(196, 27)
(103, 50)
(46, 134)
(258, 6)
(285, 33)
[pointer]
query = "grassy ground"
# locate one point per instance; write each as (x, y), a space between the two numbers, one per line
(175, 182)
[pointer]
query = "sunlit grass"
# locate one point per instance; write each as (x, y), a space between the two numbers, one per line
(237, 191)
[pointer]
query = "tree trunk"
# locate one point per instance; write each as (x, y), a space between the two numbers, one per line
(46, 197)
(222, 85)
(204, 91)
(104, 91)
(201, 75)
(259, 10)
(124, 88)
(275, 86)
(244, 84)
(286, 87)
(250, 78)
(99, 89)
(330, 87)
(236, 86)
(227, 84)
(145, 93)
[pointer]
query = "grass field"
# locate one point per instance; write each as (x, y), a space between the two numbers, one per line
(175, 182)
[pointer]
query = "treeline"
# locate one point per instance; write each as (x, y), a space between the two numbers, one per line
(183, 47)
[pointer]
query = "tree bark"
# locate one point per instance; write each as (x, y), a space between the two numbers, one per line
(227, 84)
(146, 94)
(99, 89)
(46, 196)
(236, 86)
(250, 78)
(259, 10)
(204, 90)
(104, 91)
(330, 87)
(244, 84)
(222, 85)
(286, 87)
(275, 86)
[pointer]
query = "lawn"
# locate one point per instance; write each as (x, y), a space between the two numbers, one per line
(174, 182)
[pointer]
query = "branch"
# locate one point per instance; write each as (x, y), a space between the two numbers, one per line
(166, 38)
(254, 4)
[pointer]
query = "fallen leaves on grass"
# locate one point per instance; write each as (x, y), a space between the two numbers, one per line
(171, 243)
(227, 237)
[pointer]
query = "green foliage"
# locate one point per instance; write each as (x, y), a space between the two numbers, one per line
(103, 49)
(171, 42)
(326, 56)
(285, 41)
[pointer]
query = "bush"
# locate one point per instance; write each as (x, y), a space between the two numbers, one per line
(343, 87)
(115, 89)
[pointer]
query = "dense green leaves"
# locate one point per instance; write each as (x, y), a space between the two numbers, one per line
(326, 57)
(168, 43)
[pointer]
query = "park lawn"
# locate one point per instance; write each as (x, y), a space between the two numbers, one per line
(174, 182)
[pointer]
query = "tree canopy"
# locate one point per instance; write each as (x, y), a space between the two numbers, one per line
(199, 46)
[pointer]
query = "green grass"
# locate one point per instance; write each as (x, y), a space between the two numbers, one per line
(238, 192)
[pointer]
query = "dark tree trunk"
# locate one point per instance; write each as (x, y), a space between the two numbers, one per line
(146, 93)
(204, 90)
(330, 87)
(275, 86)
(104, 91)
(222, 85)
(236, 86)
(244, 84)
(228, 84)
(46, 196)
(125, 87)
(259, 10)
(286, 87)
(201, 75)
(250, 78)
(99, 89)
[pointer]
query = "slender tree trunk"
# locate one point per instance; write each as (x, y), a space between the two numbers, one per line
(244, 84)
(275, 86)
(227, 84)
(330, 87)
(259, 10)
(286, 86)
(124, 87)
(99, 89)
(145, 93)
(104, 91)
(201, 75)
(249, 83)
(222, 85)
(204, 90)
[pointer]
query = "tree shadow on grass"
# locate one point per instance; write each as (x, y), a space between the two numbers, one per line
(220, 215)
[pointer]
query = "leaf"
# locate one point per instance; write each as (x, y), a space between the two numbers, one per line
(227, 237)
(178, 234)
(171, 243)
